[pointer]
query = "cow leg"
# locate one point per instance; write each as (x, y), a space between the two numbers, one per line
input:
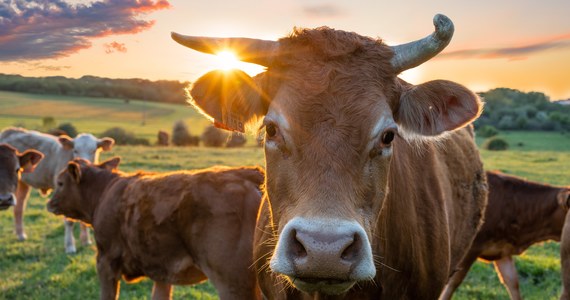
(69, 240)
(84, 235)
(108, 278)
(457, 278)
(507, 272)
(161, 291)
(22, 195)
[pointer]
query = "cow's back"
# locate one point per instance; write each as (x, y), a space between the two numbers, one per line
(55, 157)
(439, 189)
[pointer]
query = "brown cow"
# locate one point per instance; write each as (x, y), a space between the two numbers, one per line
(565, 256)
(372, 191)
(12, 163)
(176, 228)
(519, 214)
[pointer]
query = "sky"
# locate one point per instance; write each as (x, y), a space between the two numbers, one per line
(520, 44)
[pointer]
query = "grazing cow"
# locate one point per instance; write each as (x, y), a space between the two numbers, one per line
(175, 228)
(58, 152)
(519, 214)
(11, 164)
(373, 190)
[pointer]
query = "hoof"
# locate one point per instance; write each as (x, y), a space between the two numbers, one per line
(70, 250)
(22, 237)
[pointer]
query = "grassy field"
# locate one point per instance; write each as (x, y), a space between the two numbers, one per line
(39, 269)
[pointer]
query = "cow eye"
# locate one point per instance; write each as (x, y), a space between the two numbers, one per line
(59, 184)
(388, 137)
(270, 130)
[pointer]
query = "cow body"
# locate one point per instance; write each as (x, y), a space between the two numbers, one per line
(12, 164)
(175, 228)
(519, 214)
(374, 188)
(58, 152)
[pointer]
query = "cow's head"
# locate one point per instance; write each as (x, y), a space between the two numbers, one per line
(12, 163)
(333, 111)
(68, 198)
(86, 146)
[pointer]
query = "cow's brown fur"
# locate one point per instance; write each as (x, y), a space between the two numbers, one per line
(419, 202)
(519, 214)
(175, 228)
(12, 164)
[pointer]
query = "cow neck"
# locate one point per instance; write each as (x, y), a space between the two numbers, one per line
(94, 183)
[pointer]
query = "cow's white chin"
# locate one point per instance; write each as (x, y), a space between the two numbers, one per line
(324, 286)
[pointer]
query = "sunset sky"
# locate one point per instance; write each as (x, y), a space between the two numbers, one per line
(519, 44)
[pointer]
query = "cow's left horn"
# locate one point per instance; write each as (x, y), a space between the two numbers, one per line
(249, 50)
(415, 53)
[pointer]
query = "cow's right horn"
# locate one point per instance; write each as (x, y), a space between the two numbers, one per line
(415, 53)
(254, 51)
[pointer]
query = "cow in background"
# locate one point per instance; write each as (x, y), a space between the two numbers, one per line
(519, 213)
(58, 152)
(374, 187)
(12, 163)
(176, 228)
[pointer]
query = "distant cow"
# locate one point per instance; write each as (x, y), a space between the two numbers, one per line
(12, 163)
(519, 214)
(374, 188)
(58, 152)
(176, 228)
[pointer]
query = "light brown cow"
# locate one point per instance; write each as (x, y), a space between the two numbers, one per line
(364, 196)
(519, 214)
(12, 163)
(175, 228)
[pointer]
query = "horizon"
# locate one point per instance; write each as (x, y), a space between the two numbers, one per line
(521, 45)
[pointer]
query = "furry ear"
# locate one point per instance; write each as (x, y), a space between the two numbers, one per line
(111, 164)
(564, 198)
(74, 170)
(66, 142)
(231, 98)
(29, 160)
(435, 107)
(105, 143)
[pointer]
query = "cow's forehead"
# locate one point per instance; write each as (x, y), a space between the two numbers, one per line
(85, 141)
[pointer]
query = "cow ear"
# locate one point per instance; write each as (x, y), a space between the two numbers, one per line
(66, 142)
(564, 198)
(435, 107)
(231, 98)
(110, 164)
(74, 170)
(30, 159)
(105, 143)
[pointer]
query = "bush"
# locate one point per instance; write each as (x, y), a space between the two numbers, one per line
(488, 131)
(213, 137)
(180, 134)
(496, 144)
(48, 122)
(236, 140)
(122, 137)
(68, 128)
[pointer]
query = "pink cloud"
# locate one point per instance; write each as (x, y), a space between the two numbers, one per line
(115, 47)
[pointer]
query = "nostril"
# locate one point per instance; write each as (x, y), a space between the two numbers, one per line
(297, 248)
(352, 250)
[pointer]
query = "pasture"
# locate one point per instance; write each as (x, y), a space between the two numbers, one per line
(39, 269)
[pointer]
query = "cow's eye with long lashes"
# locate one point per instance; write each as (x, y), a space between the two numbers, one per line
(270, 130)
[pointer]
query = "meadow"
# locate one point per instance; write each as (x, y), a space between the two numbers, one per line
(39, 269)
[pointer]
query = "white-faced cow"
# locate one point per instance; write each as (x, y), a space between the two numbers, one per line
(12, 163)
(373, 190)
(176, 228)
(58, 152)
(519, 213)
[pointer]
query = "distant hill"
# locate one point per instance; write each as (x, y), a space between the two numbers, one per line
(165, 91)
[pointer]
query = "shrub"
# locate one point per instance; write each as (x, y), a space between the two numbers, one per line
(162, 138)
(180, 134)
(48, 122)
(496, 143)
(213, 137)
(122, 137)
(236, 140)
(68, 128)
(488, 131)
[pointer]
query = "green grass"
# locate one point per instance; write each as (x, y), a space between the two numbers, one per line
(39, 269)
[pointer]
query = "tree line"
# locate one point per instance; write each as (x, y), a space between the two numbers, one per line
(166, 91)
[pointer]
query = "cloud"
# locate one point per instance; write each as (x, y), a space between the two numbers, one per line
(511, 53)
(40, 66)
(115, 47)
(323, 11)
(39, 29)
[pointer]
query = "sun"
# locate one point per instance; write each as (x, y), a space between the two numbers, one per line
(227, 60)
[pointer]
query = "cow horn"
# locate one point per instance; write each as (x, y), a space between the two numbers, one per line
(415, 53)
(249, 50)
